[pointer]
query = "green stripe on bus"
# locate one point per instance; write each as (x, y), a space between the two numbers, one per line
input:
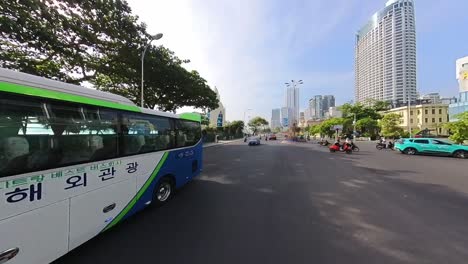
(191, 116)
(39, 92)
(137, 197)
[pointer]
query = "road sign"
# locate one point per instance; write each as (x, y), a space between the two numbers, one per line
(337, 127)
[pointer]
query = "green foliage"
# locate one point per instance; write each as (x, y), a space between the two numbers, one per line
(99, 42)
(257, 122)
(368, 125)
(277, 130)
(390, 125)
(205, 121)
(314, 130)
(237, 125)
(459, 129)
(326, 126)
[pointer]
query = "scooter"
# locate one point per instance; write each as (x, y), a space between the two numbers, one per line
(354, 147)
(345, 148)
(381, 146)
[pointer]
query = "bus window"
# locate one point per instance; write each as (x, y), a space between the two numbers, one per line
(83, 134)
(188, 133)
(23, 131)
(142, 134)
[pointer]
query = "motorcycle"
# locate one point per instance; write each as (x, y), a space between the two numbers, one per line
(354, 147)
(347, 148)
(381, 146)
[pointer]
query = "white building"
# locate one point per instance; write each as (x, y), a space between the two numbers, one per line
(334, 112)
(385, 55)
(434, 98)
(462, 73)
(292, 102)
(217, 116)
(275, 118)
(462, 76)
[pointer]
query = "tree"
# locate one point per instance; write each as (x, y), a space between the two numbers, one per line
(390, 125)
(327, 125)
(381, 105)
(238, 124)
(205, 121)
(314, 130)
(257, 122)
(99, 42)
(368, 125)
(459, 129)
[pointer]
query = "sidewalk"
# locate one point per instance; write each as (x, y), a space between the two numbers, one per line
(220, 142)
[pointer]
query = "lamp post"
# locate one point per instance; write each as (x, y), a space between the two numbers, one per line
(155, 37)
(354, 126)
(409, 114)
(294, 85)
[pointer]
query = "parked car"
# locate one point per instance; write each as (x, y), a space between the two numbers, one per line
(253, 141)
(272, 137)
(412, 146)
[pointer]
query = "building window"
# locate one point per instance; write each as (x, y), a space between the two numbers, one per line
(433, 111)
(440, 119)
(425, 111)
(411, 120)
(419, 112)
(411, 112)
(440, 111)
(425, 120)
(433, 120)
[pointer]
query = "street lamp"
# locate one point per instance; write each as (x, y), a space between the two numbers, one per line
(294, 85)
(154, 37)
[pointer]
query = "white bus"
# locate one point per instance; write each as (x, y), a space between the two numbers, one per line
(74, 162)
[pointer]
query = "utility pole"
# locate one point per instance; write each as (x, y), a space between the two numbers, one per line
(354, 126)
(409, 114)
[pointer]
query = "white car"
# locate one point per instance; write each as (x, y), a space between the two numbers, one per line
(252, 141)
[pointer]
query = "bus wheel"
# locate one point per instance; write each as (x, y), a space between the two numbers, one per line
(163, 191)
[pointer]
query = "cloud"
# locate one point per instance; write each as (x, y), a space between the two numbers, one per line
(248, 49)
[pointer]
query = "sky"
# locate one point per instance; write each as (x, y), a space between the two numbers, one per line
(248, 49)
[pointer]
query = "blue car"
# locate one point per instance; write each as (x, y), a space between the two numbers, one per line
(412, 146)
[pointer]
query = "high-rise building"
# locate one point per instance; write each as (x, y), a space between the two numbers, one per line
(316, 106)
(286, 116)
(217, 116)
(319, 105)
(328, 101)
(275, 118)
(385, 55)
(462, 76)
(292, 102)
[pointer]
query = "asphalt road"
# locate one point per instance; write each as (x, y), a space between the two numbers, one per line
(297, 203)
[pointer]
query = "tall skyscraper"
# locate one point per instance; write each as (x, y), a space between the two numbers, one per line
(292, 102)
(275, 118)
(328, 101)
(286, 116)
(385, 55)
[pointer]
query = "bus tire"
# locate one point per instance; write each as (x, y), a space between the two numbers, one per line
(163, 191)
